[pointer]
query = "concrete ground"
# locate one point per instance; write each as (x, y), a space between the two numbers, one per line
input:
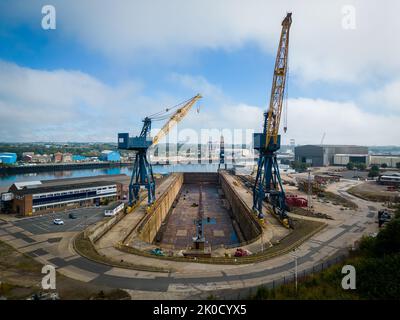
(192, 280)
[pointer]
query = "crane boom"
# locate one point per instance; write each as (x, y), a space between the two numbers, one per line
(175, 118)
(268, 185)
(278, 82)
(142, 173)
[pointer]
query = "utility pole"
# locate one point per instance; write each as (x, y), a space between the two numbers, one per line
(309, 191)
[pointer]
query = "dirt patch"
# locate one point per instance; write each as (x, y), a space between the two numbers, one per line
(20, 278)
(339, 200)
(372, 191)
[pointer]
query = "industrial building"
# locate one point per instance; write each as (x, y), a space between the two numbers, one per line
(344, 159)
(8, 157)
(38, 197)
(390, 160)
(324, 155)
(109, 155)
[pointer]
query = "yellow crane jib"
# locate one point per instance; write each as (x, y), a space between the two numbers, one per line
(278, 83)
(142, 172)
(268, 185)
(175, 118)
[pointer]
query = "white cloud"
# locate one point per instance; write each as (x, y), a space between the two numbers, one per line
(385, 99)
(64, 105)
(308, 119)
(61, 105)
(133, 31)
(344, 123)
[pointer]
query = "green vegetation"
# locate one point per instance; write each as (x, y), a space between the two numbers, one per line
(384, 165)
(374, 171)
(377, 264)
(300, 166)
(20, 278)
(398, 165)
(361, 166)
(350, 166)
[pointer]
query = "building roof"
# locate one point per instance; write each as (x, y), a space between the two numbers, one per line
(352, 155)
(26, 184)
(32, 187)
(331, 145)
(46, 188)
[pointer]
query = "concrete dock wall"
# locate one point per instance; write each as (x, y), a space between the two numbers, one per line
(95, 232)
(149, 227)
(247, 222)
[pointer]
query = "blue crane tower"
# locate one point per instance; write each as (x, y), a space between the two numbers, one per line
(268, 184)
(142, 174)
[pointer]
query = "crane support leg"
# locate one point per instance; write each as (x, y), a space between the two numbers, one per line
(142, 175)
(268, 185)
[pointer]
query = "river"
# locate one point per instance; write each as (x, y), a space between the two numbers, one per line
(7, 180)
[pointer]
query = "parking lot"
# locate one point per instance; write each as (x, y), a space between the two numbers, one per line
(44, 224)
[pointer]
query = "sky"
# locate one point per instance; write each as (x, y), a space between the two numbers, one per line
(108, 64)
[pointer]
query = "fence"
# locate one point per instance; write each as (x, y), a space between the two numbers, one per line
(245, 293)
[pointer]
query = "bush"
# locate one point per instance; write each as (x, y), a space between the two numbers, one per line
(361, 166)
(374, 171)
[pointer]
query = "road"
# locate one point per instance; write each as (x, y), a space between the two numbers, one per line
(190, 280)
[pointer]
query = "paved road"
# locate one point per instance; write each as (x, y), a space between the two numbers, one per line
(193, 280)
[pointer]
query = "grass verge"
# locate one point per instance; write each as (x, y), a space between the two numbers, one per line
(86, 249)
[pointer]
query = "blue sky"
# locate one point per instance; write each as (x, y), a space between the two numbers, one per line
(108, 64)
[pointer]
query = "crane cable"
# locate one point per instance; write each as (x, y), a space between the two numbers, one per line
(285, 106)
(165, 114)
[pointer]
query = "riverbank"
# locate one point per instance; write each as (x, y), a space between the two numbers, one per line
(10, 170)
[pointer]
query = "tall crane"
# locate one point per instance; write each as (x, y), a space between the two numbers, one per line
(142, 174)
(268, 184)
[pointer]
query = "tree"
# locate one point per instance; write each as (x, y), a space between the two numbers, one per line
(398, 165)
(374, 171)
(384, 165)
(350, 166)
(299, 166)
(361, 166)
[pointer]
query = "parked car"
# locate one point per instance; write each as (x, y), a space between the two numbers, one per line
(157, 252)
(72, 216)
(58, 221)
(242, 252)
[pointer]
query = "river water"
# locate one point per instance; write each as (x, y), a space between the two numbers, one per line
(8, 180)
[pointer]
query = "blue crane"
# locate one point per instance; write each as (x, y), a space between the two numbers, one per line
(142, 174)
(268, 184)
